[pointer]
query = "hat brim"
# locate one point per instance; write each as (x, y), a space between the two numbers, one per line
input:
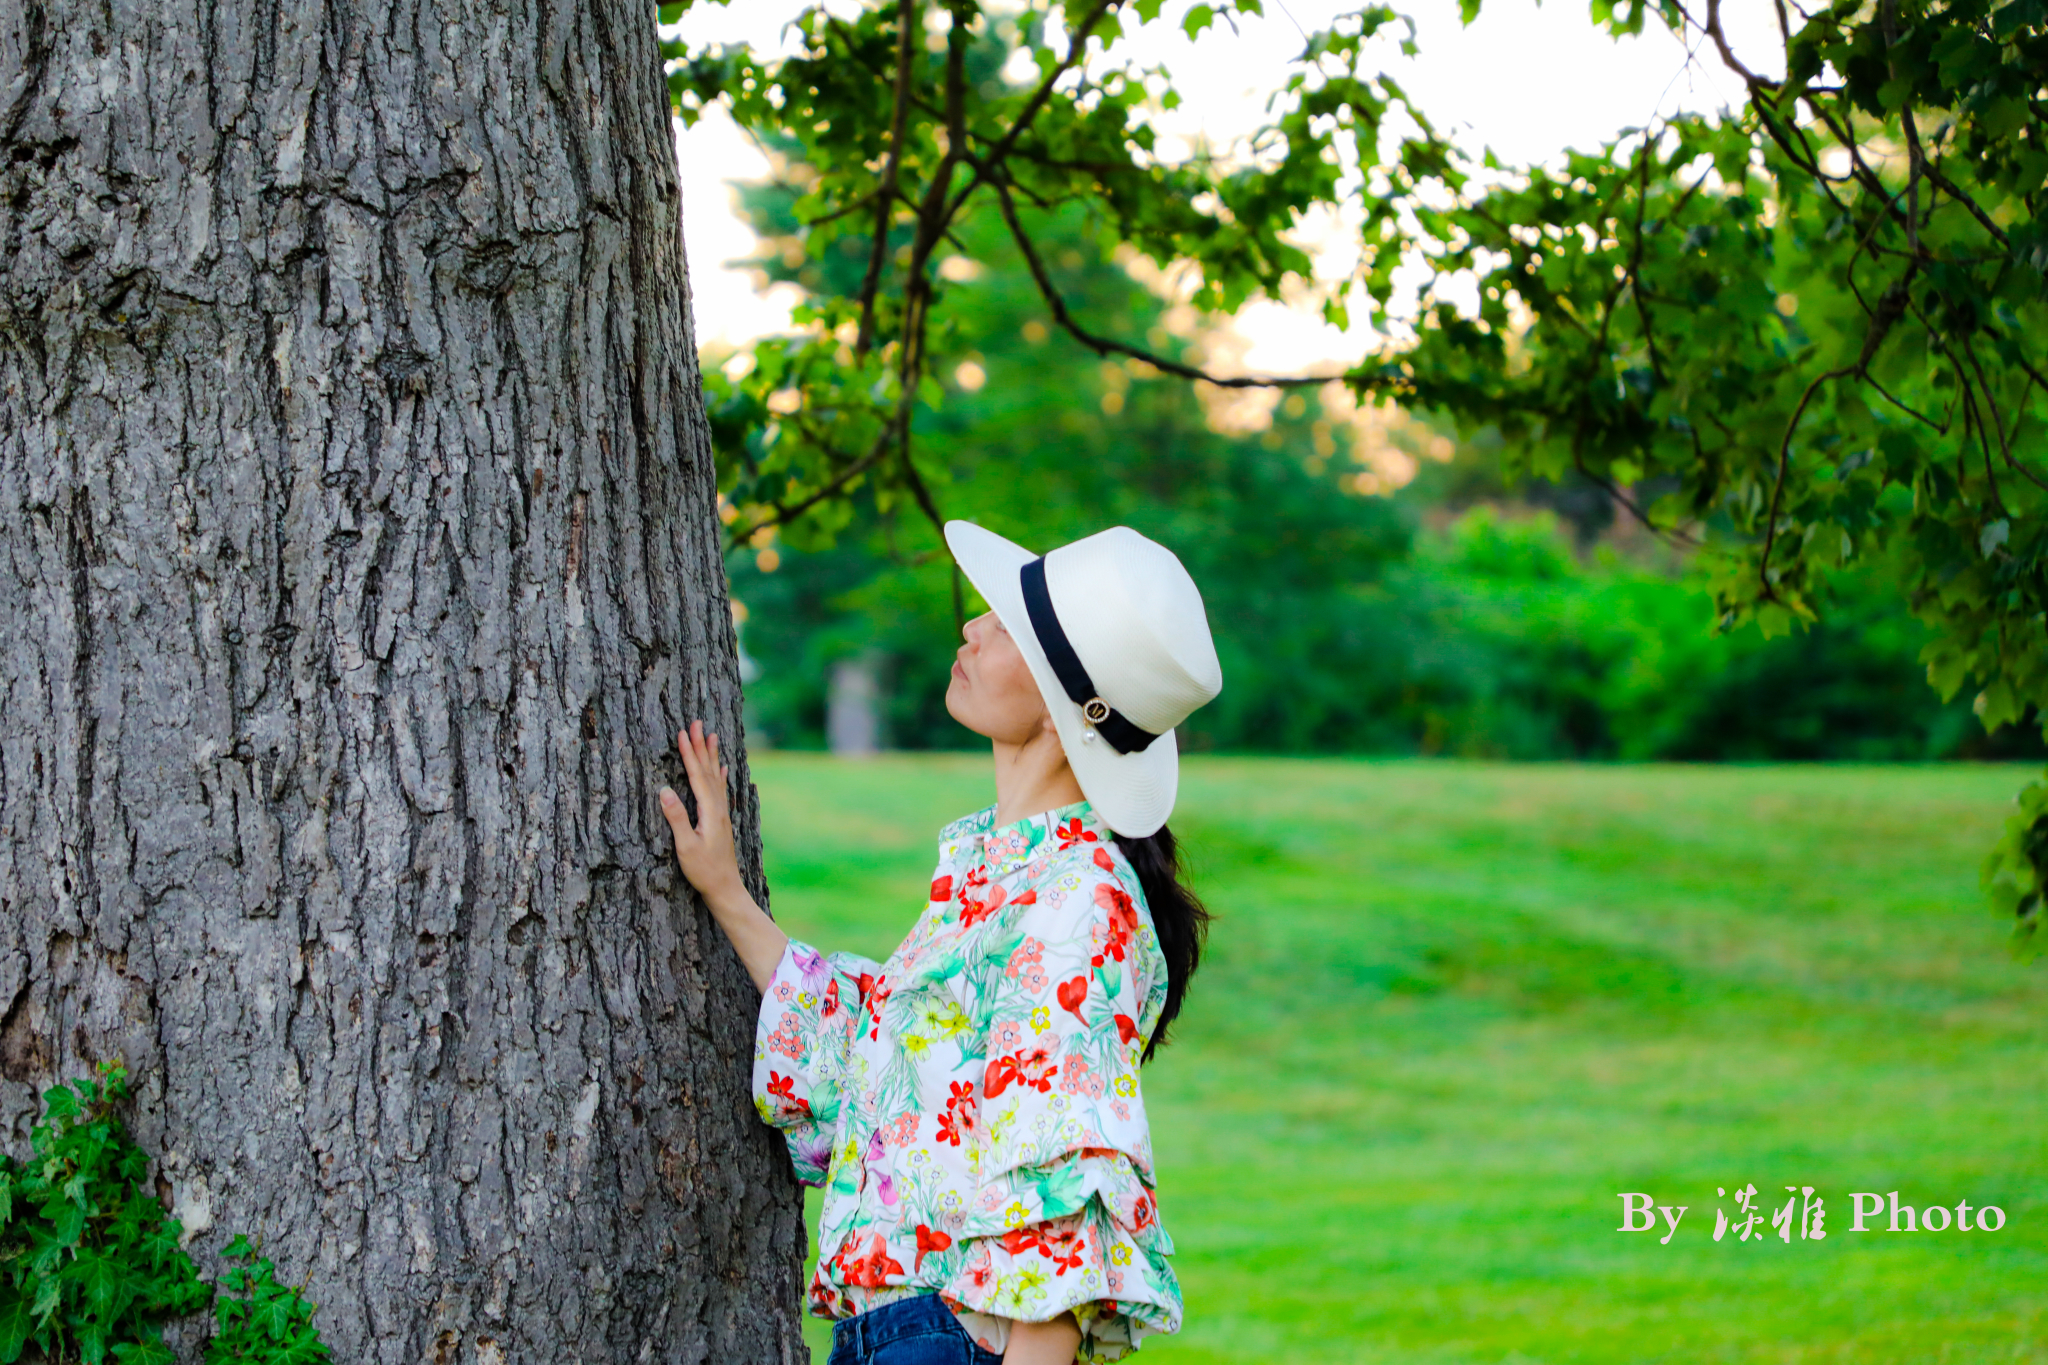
(1133, 793)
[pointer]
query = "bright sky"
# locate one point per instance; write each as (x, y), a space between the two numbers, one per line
(1525, 82)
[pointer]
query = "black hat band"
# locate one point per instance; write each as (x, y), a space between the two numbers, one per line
(1111, 724)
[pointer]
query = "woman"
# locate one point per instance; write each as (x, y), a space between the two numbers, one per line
(972, 1105)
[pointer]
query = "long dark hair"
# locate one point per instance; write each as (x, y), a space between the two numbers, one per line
(1178, 917)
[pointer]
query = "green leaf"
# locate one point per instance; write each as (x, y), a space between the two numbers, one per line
(61, 1105)
(17, 1322)
(1197, 18)
(273, 1313)
(68, 1223)
(106, 1285)
(303, 1349)
(49, 1297)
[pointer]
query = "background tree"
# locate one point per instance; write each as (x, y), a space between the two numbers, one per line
(1800, 332)
(357, 510)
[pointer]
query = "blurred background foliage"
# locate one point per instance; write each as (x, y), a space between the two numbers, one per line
(1463, 612)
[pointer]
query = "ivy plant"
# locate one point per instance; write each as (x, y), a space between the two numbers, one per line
(92, 1268)
(261, 1322)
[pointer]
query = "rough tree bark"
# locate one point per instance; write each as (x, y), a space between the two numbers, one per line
(358, 559)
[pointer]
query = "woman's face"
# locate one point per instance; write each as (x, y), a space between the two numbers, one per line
(992, 692)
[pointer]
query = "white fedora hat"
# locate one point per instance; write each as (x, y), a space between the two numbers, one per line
(1115, 634)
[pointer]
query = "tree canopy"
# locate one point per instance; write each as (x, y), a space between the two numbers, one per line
(1803, 334)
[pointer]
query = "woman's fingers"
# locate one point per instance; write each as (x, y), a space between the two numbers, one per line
(700, 761)
(707, 758)
(693, 766)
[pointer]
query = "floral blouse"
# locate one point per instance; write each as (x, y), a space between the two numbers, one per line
(971, 1106)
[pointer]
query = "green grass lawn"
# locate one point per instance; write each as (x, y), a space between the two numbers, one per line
(1450, 1011)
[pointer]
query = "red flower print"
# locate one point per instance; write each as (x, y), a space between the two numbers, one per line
(866, 983)
(1032, 1067)
(981, 1277)
(1141, 1215)
(831, 1006)
(1017, 1241)
(942, 890)
(874, 994)
(1123, 920)
(1074, 994)
(1064, 1248)
(869, 1271)
(1102, 860)
(1071, 833)
(1028, 898)
(962, 1116)
(973, 912)
(1126, 1028)
(784, 1088)
(928, 1241)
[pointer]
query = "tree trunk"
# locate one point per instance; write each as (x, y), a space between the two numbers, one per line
(358, 561)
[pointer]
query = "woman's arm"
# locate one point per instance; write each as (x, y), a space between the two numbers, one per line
(711, 863)
(1043, 1343)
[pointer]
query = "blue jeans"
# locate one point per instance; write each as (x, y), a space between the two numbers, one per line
(919, 1331)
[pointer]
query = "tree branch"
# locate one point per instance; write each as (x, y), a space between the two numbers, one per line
(885, 192)
(782, 515)
(1889, 310)
(1104, 346)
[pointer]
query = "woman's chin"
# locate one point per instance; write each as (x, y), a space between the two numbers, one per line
(956, 707)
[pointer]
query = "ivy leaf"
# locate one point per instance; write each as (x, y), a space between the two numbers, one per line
(272, 1312)
(17, 1322)
(49, 1297)
(60, 1104)
(106, 1285)
(303, 1349)
(68, 1223)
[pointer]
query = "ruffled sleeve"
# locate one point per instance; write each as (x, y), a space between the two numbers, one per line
(1064, 1215)
(810, 1015)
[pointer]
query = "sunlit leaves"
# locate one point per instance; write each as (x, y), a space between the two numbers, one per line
(1027, 121)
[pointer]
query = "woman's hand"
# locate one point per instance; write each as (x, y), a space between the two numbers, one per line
(706, 850)
(710, 861)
